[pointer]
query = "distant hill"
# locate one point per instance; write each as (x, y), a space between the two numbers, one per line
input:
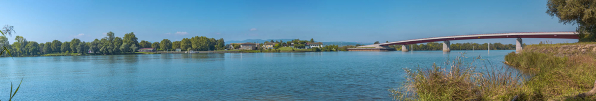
(286, 40)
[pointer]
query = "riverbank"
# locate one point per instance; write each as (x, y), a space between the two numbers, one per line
(547, 72)
(559, 71)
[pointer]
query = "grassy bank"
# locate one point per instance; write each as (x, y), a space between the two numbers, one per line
(559, 71)
(550, 72)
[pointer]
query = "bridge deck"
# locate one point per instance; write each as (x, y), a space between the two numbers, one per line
(562, 35)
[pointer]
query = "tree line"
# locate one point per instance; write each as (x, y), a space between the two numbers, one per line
(106, 46)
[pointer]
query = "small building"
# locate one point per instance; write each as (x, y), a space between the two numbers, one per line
(314, 44)
(178, 50)
(147, 50)
(268, 45)
(248, 46)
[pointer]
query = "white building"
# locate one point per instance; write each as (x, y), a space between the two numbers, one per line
(313, 45)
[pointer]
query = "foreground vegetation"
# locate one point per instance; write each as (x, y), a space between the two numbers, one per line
(551, 72)
(458, 80)
(559, 71)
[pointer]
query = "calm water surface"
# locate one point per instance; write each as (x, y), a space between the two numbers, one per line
(229, 76)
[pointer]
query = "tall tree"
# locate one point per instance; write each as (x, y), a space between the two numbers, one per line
(74, 43)
(93, 47)
(175, 44)
(47, 48)
(117, 43)
(56, 45)
(145, 44)
(65, 47)
(221, 44)
(81, 48)
(33, 48)
(185, 44)
(134, 47)
(312, 40)
(155, 45)
(4, 41)
(580, 12)
(125, 48)
(130, 39)
(165, 44)
(110, 36)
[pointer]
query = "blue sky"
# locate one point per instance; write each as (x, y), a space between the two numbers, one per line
(323, 20)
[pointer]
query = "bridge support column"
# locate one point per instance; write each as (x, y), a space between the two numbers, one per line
(405, 48)
(518, 45)
(446, 45)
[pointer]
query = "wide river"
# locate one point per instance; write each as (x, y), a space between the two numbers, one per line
(229, 76)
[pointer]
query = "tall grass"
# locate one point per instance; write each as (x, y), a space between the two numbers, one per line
(533, 62)
(459, 81)
(555, 77)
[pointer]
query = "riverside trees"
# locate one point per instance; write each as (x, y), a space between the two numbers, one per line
(110, 44)
(580, 12)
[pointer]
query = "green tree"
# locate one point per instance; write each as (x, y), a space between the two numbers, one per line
(165, 44)
(312, 40)
(130, 39)
(56, 45)
(110, 36)
(47, 48)
(125, 47)
(65, 47)
(155, 45)
(134, 47)
(81, 48)
(104, 46)
(33, 48)
(4, 41)
(117, 43)
(200, 43)
(145, 44)
(376, 42)
(580, 12)
(175, 44)
(185, 44)
(94, 46)
(221, 44)
(74, 43)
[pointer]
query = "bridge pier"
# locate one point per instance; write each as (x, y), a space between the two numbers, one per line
(405, 48)
(518, 45)
(446, 45)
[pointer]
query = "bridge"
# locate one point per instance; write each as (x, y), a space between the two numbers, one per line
(446, 40)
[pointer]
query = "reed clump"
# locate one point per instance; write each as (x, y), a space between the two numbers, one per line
(459, 81)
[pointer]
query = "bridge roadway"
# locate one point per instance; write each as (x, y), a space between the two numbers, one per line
(446, 39)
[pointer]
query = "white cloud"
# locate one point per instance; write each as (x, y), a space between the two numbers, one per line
(79, 35)
(253, 29)
(181, 33)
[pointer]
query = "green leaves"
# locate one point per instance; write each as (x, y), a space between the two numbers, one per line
(15, 92)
